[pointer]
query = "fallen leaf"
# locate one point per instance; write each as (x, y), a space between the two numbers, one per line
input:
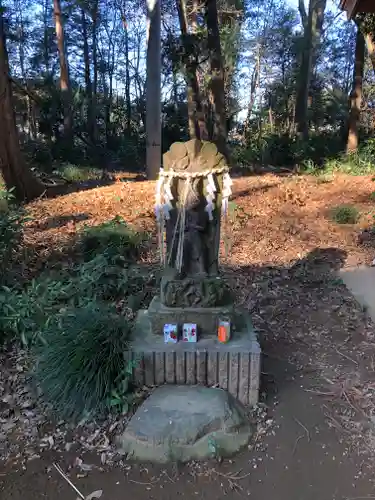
(94, 494)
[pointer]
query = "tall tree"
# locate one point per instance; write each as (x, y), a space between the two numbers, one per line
(123, 11)
(15, 172)
(64, 71)
(153, 90)
(88, 85)
(197, 126)
(312, 22)
(216, 85)
(356, 94)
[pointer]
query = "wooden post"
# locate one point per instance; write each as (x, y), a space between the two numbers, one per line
(153, 90)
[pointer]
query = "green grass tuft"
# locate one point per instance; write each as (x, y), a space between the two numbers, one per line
(112, 238)
(82, 368)
(345, 214)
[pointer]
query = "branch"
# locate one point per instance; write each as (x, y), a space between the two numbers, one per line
(302, 11)
(26, 91)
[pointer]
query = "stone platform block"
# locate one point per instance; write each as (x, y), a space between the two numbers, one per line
(234, 366)
(207, 318)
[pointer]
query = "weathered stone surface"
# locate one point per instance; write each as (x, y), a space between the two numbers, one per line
(234, 366)
(201, 236)
(195, 292)
(181, 423)
(206, 318)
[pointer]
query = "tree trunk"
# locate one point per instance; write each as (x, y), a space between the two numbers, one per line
(15, 172)
(356, 95)
(94, 16)
(371, 49)
(86, 57)
(216, 86)
(153, 92)
(255, 80)
(313, 25)
(64, 71)
(127, 70)
(45, 37)
(202, 109)
(194, 103)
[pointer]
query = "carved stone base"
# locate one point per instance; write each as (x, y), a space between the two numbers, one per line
(206, 318)
(234, 366)
(195, 292)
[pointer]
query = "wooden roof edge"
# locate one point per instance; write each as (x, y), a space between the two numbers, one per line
(350, 6)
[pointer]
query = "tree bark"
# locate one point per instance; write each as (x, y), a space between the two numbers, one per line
(371, 49)
(255, 80)
(197, 126)
(64, 71)
(86, 57)
(216, 86)
(15, 172)
(94, 16)
(153, 90)
(356, 94)
(127, 69)
(313, 24)
(45, 37)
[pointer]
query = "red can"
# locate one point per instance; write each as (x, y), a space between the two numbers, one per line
(223, 332)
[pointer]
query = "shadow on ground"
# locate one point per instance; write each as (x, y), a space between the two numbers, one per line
(312, 332)
(106, 180)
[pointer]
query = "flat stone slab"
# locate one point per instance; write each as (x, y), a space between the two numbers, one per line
(181, 423)
(361, 282)
(234, 366)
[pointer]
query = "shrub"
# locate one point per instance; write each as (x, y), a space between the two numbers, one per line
(82, 368)
(75, 173)
(113, 238)
(12, 219)
(25, 313)
(345, 214)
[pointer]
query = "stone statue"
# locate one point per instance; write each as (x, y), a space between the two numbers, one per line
(194, 180)
(195, 253)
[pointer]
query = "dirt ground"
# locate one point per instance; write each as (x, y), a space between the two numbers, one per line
(316, 430)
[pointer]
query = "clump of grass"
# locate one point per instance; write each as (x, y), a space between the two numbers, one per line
(372, 196)
(359, 163)
(114, 237)
(325, 177)
(81, 367)
(345, 214)
(76, 173)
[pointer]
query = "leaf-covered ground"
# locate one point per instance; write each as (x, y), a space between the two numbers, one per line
(318, 383)
(277, 219)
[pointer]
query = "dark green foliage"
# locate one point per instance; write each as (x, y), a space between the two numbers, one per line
(323, 153)
(114, 237)
(12, 219)
(345, 214)
(82, 368)
(24, 314)
(76, 173)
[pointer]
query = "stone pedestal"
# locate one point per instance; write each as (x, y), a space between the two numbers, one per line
(234, 366)
(206, 317)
